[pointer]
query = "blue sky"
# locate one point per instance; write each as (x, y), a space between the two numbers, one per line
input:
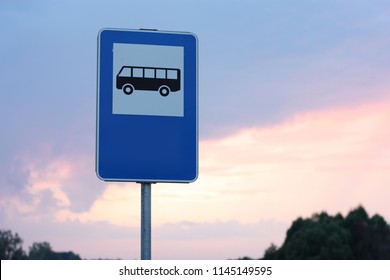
(263, 66)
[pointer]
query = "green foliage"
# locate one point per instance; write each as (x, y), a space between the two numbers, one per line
(270, 253)
(323, 237)
(370, 237)
(43, 251)
(11, 249)
(11, 246)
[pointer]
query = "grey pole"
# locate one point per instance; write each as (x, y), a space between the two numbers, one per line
(146, 221)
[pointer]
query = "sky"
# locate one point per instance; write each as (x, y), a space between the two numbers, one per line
(294, 110)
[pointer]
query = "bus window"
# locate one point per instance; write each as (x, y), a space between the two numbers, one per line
(160, 74)
(149, 73)
(126, 72)
(172, 74)
(138, 72)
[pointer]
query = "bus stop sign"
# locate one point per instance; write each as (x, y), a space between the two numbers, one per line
(147, 106)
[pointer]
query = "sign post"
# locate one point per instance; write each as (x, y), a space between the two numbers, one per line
(147, 85)
(146, 221)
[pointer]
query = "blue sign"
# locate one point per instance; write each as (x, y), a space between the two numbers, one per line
(147, 106)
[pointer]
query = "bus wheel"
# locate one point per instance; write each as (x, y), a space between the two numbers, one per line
(128, 89)
(164, 90)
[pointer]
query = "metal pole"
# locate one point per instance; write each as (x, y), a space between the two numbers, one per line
(146, 221)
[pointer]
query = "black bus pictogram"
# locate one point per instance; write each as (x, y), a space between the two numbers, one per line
(163, 80)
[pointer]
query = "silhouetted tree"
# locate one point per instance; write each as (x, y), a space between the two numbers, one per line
(11, 249)
(326, 237)
(67, 256)
(270, 252)
(11, 246)
(370, 237)
(245, 258)
(43, 251)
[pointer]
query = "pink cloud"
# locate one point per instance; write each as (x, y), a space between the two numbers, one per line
(327, 160)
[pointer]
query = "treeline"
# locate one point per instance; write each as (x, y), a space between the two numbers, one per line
(323, 237)
(11, 248)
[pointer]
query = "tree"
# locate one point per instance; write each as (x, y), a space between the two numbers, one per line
(325, 237)
(270, 252)
(68, 256)
(41, 251)
(11, 249)
(370, 236)
(11, 246)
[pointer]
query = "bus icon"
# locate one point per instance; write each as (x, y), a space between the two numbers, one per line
(163, 80)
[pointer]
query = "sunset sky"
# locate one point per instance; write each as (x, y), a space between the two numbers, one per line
(294, 113)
